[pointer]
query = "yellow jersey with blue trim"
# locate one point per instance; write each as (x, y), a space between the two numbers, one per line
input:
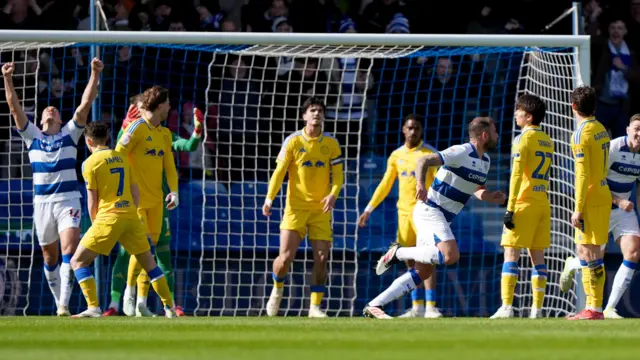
(148, 148)
(315, 168)
(590, 145)
(532, 154)
(109, 173)
(402, 165)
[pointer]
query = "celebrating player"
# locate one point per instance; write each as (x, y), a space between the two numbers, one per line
(623, 174)
(52, 153)
(163, 249)
(402, 165)
(112, 199)
(527, 222)
(315, 166)
(148, 145)
(590, 144)
(464, 173)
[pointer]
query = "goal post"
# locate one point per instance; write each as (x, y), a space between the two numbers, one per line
(223, 247)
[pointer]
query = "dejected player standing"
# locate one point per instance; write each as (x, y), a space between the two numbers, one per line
(112, 200)
(527, 222)
(314, 162)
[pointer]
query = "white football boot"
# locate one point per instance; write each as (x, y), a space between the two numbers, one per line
(566, 278)
(535, 314)
(169, 313)
(612, 314)
(387, 260)
(413, 313)
(89, 313)
(143, 311)
(273, 305)
(432, 312)
(505, 312)
(63, 311)
(129, 303)
(375, 312)
(315, 312)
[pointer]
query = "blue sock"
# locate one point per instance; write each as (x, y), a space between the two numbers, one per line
(417, 298)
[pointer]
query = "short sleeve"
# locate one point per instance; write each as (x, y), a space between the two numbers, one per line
(128, 139)
(74, 130)
(29, 133)
(89, 176)
(286, 151)
(453, 155)
(336, 154)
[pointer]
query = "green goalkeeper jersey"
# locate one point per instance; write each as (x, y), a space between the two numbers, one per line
(178, 144)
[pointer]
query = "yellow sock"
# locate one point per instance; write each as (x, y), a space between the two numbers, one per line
(278, 282)
(597, 280)
(317, 293)
(144, 283)
(159, 283)
(508, 282)
(586, 284)
(538, 285)
(88, 285)
(134, 271)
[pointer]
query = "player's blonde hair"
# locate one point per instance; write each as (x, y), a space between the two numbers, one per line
(635, 117)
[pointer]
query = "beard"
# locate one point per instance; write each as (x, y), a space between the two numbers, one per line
(491, 144)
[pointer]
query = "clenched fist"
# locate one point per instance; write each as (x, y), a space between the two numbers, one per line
(8, 69)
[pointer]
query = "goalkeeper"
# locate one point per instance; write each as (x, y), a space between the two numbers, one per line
(163, 249)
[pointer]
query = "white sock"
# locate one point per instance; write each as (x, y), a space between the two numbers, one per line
(400, 287)
(574, 264)
(130, 290)
(114, 305)
(66, 280)
(52, 274)
(141, 300)
(621, 282)
(424, 254)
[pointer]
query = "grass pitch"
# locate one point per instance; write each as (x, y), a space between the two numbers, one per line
(306, 339)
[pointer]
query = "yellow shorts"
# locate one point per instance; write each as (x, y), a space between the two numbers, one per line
(104, 233)
(152, 220)
(317, 222)
(532, 228)
(406, 230)
(595, 228)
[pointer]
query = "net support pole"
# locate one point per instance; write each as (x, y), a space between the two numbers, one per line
(94, 51)
(584, 68)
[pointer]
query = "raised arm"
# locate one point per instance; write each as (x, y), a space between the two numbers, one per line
(12, 98)
(180, 144)
(90, 93)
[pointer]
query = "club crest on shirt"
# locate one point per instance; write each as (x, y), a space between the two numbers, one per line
(126, 137)
(324, 150)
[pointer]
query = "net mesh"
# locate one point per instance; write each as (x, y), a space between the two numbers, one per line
(223, 247)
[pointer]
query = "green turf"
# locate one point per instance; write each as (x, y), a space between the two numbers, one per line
(305, 339)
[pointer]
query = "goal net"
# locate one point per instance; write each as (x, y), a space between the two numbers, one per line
(251, 93)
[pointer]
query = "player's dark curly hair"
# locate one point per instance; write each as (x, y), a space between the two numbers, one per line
(479, 125)
(98, 131)
(532, 105)
(415, 117)
(134, 99)
(584, 100)
(154, 97)
(313, 101)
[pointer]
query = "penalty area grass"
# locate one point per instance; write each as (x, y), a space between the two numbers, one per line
(307, 339)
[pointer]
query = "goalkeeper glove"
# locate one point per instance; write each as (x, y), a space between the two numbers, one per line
(173, 200)
(198, 121)
(508, 220)
(132, 115)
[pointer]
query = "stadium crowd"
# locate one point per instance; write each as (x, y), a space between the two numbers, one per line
(253, 101)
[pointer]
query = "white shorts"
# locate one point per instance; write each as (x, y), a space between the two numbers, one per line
(431, 225)
(623, 223)
(51, 218)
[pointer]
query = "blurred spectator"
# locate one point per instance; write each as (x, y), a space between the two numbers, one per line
(20, 14)
(281, 24)
(258, 15)
(378, 14)
(615, 74)
(399, 24)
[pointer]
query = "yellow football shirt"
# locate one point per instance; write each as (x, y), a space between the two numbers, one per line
(402, 165)
(532, 153)
(590, 145)
(149, 151)
(315, 168)
(108, 172)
